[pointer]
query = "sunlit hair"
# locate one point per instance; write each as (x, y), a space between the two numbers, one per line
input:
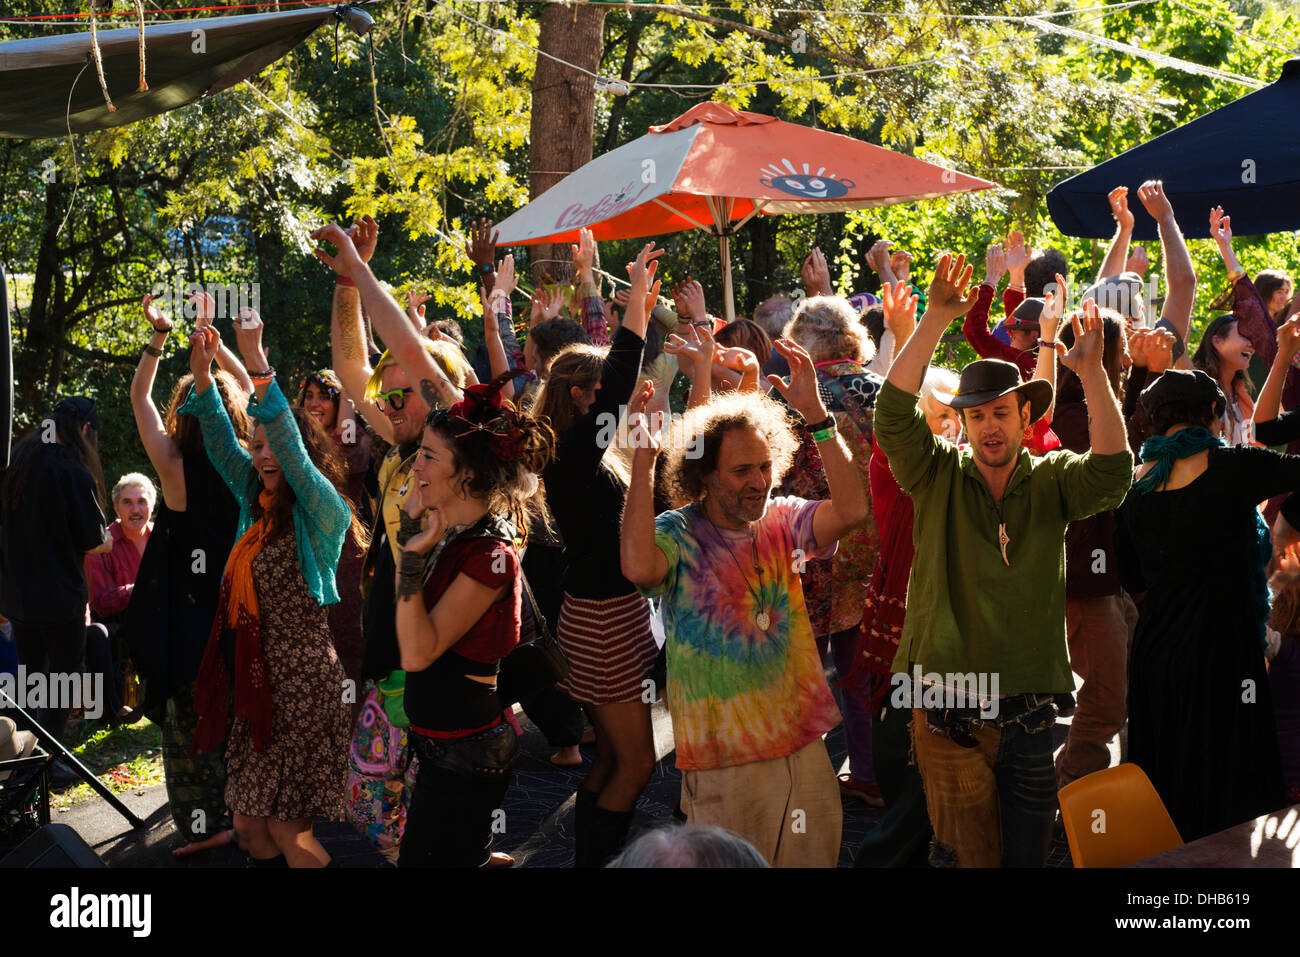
(1112, 350)
(689, 845)
(1269, 281)
(746, 334)
(135, 478)
(328, 460)
(773, 314)
(1207, 359)
(1285, 588)
(511, 488)
(185, 430)
(448, 357)
(581, 366)
(828, 327)
(690, 460)
(324, 380)
(937, 379)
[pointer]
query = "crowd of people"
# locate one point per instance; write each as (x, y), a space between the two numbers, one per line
(337, 603)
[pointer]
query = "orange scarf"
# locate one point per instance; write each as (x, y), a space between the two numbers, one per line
(237, 611)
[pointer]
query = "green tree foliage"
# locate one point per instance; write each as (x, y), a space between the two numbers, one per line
(424, 125)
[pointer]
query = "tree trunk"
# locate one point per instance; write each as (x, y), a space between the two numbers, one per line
(563, 117)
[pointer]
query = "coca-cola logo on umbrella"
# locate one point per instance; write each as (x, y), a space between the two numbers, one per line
(806, 184)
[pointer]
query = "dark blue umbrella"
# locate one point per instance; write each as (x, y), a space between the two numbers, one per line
(1244, 157)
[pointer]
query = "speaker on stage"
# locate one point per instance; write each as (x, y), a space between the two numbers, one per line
(55, 845)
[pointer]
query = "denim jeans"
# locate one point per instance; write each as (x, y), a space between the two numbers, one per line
(992, 804)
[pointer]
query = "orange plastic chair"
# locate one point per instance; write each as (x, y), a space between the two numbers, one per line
(1115, 817)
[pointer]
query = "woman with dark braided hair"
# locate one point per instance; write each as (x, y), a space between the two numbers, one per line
(458, 613)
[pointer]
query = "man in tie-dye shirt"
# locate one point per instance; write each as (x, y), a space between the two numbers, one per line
(746, 689)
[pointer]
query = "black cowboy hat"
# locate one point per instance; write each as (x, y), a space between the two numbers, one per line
(1183, 385)
(988, 379)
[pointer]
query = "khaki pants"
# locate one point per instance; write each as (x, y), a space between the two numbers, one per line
(788, 808)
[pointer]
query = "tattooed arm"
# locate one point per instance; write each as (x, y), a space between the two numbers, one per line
(389, 319)
(348, 342)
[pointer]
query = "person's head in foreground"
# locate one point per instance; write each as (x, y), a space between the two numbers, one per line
(396, 396)
(996, 408)
(687, 845)
(1181, 399)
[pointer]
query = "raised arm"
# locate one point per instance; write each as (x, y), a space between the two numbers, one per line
(1269, 405)
(1106, 424)
(226, 361)
(227, 455)
(947, 299)
(390, 321)
(163, 454)
(694, 348)
(1180, 278)
(1117, 255)
(641, 561)
(496, 313)
(815, 274)
(1048, 321)
(1248, 308)
(348, 338)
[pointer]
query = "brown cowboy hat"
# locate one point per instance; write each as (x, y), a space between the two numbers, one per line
(988, 379)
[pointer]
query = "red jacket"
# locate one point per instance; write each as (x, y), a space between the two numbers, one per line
(107, 576)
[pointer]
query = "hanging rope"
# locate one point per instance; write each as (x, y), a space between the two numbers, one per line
(99, 59)
(143, 87)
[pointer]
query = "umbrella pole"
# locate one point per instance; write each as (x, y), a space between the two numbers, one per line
(728, 300)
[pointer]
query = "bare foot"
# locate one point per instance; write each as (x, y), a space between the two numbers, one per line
(219, 839)
(568, 757)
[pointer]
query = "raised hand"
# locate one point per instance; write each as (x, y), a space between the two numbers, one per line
(584, 255)
(947, 297)
(878, 256)
(549, 302)
(901, 263)
(482, 244)
(1137, 346)
(347, 262)
(641, 273)
(1138, 261)
(688, 299)
(694, 349)
(151, 312)
(1154, 200)
(1018, 254)
(995, 264)
(899, 302)
(644, 434)
(815, 273)
(801, 394)
(505, 278)
(206, 308)
(1055, 296)
(248, 336)
(1085, 354)
(365, 236)
(415, 305)
(739, 359)
(1288, 337)
(622, 297)
(1158, 350)
(1118, 199)
(1221, 227)
(205, 343)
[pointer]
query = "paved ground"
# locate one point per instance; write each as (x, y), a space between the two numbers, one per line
(539, 814)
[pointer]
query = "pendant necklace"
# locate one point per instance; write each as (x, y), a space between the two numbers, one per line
(1003, 538)
(761, 617)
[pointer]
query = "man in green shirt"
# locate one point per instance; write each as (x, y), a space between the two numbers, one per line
(986, 597)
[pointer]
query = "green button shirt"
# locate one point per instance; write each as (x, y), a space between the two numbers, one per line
(967, 611)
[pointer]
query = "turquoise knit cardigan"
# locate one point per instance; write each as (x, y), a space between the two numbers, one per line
(321, 516)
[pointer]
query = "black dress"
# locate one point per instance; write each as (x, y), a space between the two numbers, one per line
(1200, 710)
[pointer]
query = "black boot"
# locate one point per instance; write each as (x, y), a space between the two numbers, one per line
(608, 834)
(584, 804)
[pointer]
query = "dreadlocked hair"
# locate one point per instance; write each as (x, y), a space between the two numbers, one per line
(185, 430)
(328, 460)
(511, 486)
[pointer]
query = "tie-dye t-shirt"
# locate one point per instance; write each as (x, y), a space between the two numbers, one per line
(737, 693)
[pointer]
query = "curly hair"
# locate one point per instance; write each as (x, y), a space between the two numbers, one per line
(328, 460)
(184, 429)
(512, 488)
(828, 327)
(689, 461)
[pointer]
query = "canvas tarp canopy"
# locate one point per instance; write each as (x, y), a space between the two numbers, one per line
(37, 75)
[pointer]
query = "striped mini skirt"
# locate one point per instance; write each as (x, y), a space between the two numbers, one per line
(610, 648)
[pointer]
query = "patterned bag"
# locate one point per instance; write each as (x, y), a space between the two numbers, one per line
(381, 777)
